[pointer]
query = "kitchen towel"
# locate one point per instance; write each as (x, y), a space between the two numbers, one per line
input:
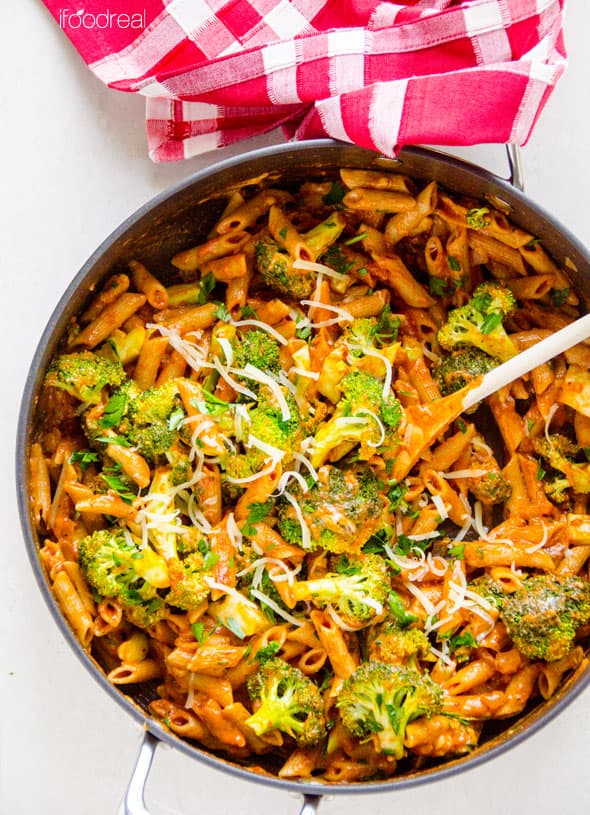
(378, 74)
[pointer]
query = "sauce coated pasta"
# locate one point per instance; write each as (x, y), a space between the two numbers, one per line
(259, 500)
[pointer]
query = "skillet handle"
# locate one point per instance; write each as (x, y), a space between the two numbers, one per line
(516, 177)
(134, 802)
(310, 804)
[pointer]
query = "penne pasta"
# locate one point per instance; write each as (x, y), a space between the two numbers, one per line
(258, 496)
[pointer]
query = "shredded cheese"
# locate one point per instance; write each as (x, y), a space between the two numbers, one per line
(307, 464)
(193, 354)
(286, 477)
(320, 268)
(264, 598)
(251, 372)
(536, 546)
(442, 655)
(550, 414)
(226, 346)
(478, 524)
(338, 619)
(463, 531)
(440, 506)
(237, 595)
(371, 352)
(464, 474)
(305, 533)
(341, 312)
(224, 373)
(234, 532)
(378, 422)
(264, 327)
(424, 536)
(302, 372)
(275, 453)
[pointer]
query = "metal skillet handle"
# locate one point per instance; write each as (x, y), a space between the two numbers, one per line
(134, 801)
(516, 177)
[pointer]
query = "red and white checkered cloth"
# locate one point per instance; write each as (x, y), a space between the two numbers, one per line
(378, 74)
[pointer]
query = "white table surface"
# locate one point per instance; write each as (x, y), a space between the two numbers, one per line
(75, 165)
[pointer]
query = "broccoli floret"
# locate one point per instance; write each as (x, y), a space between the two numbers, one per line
(558, 490)
(456, 370)
(259, 349)
(276, 268)
(362, 416)
(390, 643)
(266, 425)
(373, 332)
(85, 375)
(558, 451)
(476, 217)
(188, 587)
(145, 614)
(147, 422)
(542, 617)
(341, 510)
(357, 589)
(490, 589)
(491, 488)
(378, 701)
(479, 322)
(288, 701)
(116, 566)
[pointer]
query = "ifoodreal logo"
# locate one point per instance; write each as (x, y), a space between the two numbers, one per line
(103, 19)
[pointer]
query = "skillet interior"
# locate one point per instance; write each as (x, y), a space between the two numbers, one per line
(180, 218)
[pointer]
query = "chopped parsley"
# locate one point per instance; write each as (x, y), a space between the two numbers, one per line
(256, 513)
(114, 411)
(453, 263)
(207, 285)
(84, 458)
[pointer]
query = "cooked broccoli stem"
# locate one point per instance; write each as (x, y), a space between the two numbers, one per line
(357, 589)
(288, 701)
(320, 237)
(378, 701)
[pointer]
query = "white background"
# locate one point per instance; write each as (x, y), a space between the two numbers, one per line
(74, 165)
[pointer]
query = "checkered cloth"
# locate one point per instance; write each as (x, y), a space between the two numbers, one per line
(378, 74)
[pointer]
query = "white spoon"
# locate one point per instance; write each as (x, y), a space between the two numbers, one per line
(528, 359)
